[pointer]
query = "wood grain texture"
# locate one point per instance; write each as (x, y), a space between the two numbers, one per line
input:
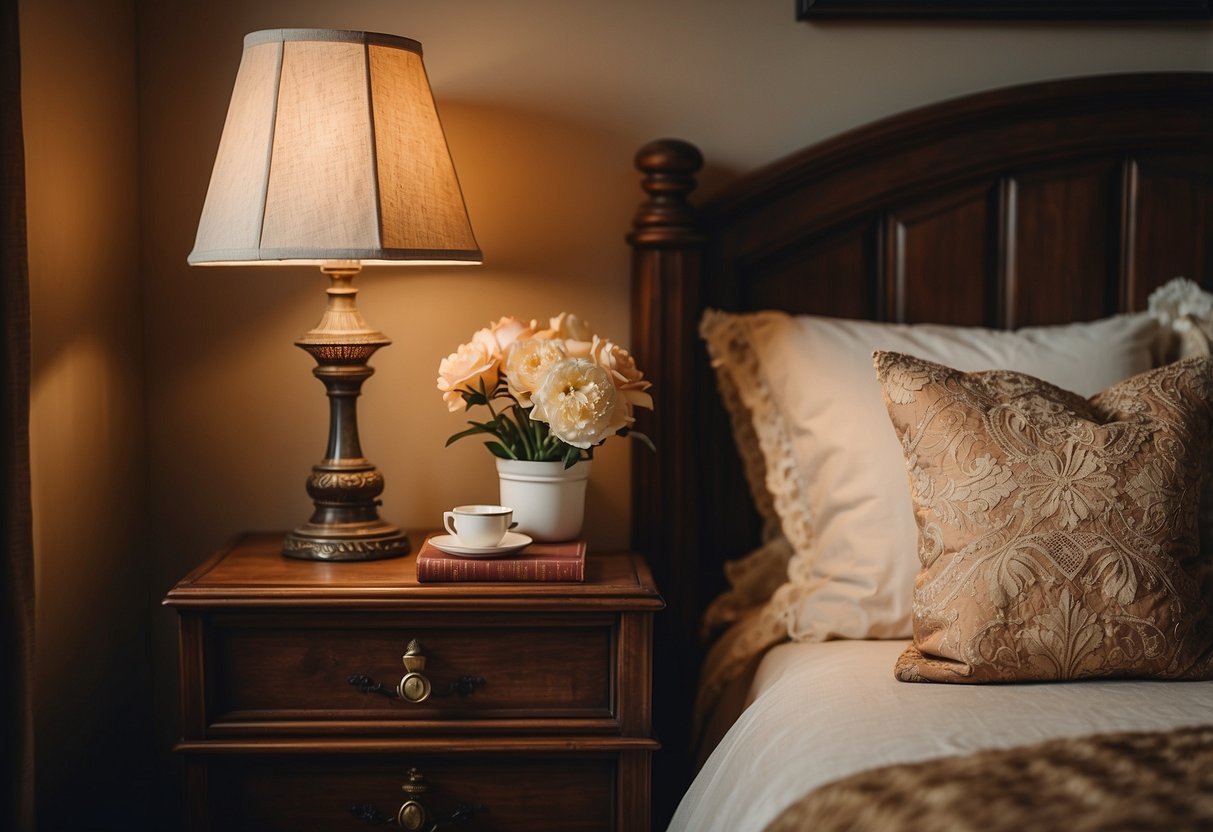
(518, 792)
(1038, 204)
(297, 667)
(258, 577)
(555, 735)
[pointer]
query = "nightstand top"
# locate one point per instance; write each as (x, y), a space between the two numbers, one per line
(252, 572)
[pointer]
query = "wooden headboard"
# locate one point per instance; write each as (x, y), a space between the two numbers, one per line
(1047, 203)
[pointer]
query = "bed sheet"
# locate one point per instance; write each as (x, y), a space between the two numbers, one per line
(817, 712)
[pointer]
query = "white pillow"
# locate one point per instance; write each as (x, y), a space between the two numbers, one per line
(830, 459)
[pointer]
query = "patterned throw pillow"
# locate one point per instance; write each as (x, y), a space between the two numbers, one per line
(1057, 535)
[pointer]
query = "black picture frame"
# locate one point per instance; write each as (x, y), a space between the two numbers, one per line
(1005, 9)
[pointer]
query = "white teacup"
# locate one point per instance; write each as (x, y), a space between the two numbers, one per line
(478, 527)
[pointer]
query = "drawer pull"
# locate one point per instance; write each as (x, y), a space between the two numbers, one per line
(412, 816)
(463, 686)
(366, 684)
(414, 686)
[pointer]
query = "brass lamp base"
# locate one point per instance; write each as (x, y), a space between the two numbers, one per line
(377, 540)
(345, 486)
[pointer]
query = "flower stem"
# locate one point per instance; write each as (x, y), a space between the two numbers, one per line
(524, 433)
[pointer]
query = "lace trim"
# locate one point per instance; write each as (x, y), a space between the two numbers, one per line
(1177, 299)
(716, 330)
(1184, 312)
(728, 338)
(768, 582)
(753, 580)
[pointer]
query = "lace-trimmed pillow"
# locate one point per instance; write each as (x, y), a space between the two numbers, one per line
(1058, 535)
(825, 469)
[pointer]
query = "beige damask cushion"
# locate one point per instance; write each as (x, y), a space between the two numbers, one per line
(1058, 535)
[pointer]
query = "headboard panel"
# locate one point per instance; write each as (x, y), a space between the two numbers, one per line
(1046, 203)
(987, 180)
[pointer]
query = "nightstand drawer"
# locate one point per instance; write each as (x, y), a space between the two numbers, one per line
(341, 672)
(568, 792)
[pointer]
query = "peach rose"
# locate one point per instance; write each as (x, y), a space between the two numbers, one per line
(568, 327)
(499, 336)
(464, 369)
(626, 376)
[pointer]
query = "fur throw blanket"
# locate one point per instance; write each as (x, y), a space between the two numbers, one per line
(1128, 781)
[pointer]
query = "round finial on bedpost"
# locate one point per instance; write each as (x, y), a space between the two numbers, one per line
(666, 217)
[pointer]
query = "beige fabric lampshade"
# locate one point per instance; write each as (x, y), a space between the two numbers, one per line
(332, 150)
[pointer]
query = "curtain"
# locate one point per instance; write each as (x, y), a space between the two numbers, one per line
(17, 577)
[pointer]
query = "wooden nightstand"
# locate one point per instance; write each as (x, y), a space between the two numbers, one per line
(538, 714)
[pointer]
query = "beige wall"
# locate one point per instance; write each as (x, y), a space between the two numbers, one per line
(544, 102)
(87, 431)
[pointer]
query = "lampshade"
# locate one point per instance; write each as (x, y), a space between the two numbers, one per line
(332, 151)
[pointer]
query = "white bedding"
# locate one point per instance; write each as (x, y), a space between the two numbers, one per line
(817, 712)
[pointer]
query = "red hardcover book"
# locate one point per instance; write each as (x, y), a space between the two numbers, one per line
(563, 562)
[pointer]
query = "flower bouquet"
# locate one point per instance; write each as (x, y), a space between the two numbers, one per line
(552, 394)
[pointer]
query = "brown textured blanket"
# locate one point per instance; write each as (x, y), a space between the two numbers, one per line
(1111, 782)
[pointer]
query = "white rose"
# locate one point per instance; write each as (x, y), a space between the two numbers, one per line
(466, 368)
(527, 364)
(579, 403)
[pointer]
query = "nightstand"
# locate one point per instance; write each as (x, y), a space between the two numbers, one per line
(327, 696)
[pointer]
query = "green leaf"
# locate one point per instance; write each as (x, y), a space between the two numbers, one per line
(471, 400)
(472, 431)
(499, 450)
(571, 456)
(644, 440)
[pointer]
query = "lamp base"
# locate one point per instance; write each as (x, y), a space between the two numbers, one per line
(345, 486)
(345, 522)
(373, 540)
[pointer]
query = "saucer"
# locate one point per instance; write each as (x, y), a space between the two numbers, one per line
(512, 542)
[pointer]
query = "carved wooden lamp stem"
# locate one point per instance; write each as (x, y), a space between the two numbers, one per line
(344, 486)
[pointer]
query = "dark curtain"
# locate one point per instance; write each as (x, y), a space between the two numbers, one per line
(17, 578)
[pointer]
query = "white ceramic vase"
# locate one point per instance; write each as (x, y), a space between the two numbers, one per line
(548, 499)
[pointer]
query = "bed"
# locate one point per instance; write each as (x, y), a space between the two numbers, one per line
(1058, 214)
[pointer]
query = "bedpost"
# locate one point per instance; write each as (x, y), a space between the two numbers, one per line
(666, 262)
(666, 272)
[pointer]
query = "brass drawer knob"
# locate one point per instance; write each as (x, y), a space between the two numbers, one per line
(414, 686)
(412, 815)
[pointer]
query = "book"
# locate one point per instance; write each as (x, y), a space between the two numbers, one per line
(561, 562)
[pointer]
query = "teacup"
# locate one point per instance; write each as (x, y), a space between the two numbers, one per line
(478, 527)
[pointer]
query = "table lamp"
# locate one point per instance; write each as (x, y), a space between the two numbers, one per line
(332, 155)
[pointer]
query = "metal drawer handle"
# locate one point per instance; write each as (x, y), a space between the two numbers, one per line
(412, 816)
(414, 686)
